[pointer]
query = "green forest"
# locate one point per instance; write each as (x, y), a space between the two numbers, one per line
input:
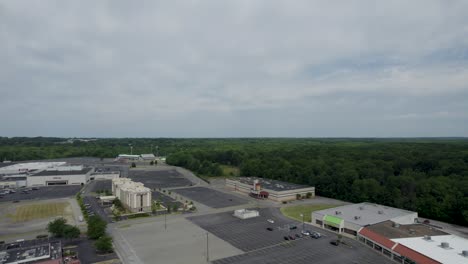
(429, 176)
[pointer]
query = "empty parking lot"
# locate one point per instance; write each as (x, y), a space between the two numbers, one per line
(248, 234)
(159, 179)
(46, 192)
(210, 197)
(263, 246)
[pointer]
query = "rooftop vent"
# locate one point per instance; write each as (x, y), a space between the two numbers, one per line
(412, 231)
(396, 225)
(428, 238)
(445, 245)
(465, 253)
(380, 212)
(337, 212)
(357, 217)
(361, 207)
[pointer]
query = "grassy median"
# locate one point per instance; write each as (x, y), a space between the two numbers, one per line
(295, 212)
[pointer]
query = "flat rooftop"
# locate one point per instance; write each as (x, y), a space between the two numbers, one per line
(30, 251)
(62, 172)
(389, 230)
(432, 248)
(365, 214)
(268, 184)
(26, 166)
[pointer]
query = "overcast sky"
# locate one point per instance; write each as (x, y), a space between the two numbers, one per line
(234, 68)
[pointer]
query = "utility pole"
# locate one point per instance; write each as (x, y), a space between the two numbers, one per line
(165, 221)
(302, 222)
(207, 253)
(131, 149)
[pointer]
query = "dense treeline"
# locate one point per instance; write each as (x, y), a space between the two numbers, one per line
(431, 178)
(426, 175)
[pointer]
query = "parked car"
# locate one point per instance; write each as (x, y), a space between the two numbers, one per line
(426, 222)
(286, 238)
(269, 229)
(305, 232)
(298, 236)
(270, 221)
(291, 237)
(316, 235)
(34, 188)
(335, 242)
(292, 227)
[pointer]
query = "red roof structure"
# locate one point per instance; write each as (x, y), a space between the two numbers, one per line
(377, 238)
(414, 255)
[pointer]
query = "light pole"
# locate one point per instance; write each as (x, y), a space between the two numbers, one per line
(165, 221)
(302, 221)
(131, 149)
(207, 252)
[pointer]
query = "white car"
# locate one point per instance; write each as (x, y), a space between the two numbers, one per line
(271, 221)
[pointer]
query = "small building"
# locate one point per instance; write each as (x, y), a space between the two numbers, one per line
(30, 252)
(25, 167)
(133, 195)
(270, 189)
(127, 157)
(245, 214)
(148, 156)
(351, 218)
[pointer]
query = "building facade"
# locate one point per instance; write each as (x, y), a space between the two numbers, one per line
(133, 195)
(274, 190)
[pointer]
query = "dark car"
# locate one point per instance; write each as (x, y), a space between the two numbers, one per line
(269, 229)
(315, 235)
(297, 236)
(293, 227)
(16, 201)
(291, 237)
(335, 242)
(286, 238)
(34, 188)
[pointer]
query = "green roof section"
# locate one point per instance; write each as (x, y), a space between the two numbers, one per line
(333, 220)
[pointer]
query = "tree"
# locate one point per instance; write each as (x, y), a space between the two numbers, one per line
(298, 196)
(57, 226)
(152, 163)
(133, 165)
(71, 232)
(96, 227)
(104, 244)
(308, 195)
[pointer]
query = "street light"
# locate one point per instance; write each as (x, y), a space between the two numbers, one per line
(131, 149)
(302, 221)
(207, 252)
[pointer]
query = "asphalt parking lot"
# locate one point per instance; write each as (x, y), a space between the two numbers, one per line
(263, 246)
(96, 208)
(247, 234)
(159, 179)
(307, 251)
(210, 197)
(165, 200)
(46, 192)
(100, 185)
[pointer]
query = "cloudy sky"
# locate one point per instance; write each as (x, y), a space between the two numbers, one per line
(234, 68)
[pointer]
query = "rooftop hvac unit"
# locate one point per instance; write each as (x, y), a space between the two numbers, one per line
(465, 253)
(357, 217)
(428, 238)
(337, 212)
(445, 245)
(380, 212)
(411, 231)
(396, 225)
(361, 207)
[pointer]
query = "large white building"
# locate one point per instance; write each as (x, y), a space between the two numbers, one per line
(272, 189)
(62, 175)
(133, 195)
(34, 174)
(351, 218)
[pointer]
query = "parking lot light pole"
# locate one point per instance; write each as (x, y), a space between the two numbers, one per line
(165, 221)
(302, 221)
(207, 252)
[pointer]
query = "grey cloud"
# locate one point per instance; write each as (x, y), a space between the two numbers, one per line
(234, 68)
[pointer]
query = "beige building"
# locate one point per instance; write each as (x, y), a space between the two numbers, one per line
(133, 195)
(270, 189)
